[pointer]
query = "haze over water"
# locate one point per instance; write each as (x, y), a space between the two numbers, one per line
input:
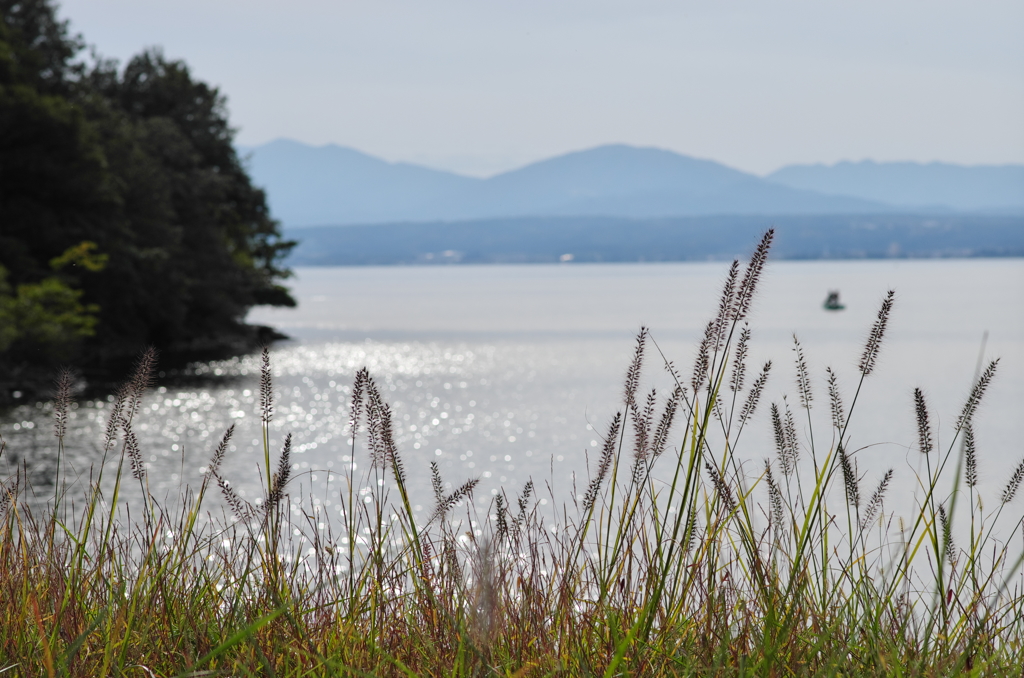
(513, 372)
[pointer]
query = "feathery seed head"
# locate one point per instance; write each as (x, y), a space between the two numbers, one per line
(754, 395)
(1014, 484)
(665, 423)
(874, 343)
(850, 480)
(703, 362)
(356, 402)
(774, 497)
(383, 450)
(803, 379)
(607, 453)
(786, 442)
(242, 509)
(635, 367)
(115, 417)
(436, 483)
(781, 445)
(266, 387)
(748, 286)
(62, 401)
(131, 446)
(947, 536)
(875, 503)
(924, 431)
(524, 502)
(222, 448)
(836, 401)
(724, 493)
(643, 421)
(739, 365)
(726, 307)
(690, 533)
(974, 399)
(443, 504)
(280, 478)
(971, 462)
(137, 384)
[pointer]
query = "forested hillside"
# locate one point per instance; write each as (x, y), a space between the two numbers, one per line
(126, 218)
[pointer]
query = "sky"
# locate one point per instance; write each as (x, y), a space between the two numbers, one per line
(483, 86)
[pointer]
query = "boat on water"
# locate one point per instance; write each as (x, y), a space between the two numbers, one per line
(832, 303)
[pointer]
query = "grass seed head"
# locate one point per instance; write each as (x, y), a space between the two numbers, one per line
(836, 402)
(266, 387)
(971, 457)
(661, 433)
(1010, 491)
(726, 308)
(850, 480)
(739, 365)
(721, 487)
(62, 401)
(280, 478)
(703, 361)
(222, 448)
(635, 367)
(751, 276)
(604, 464)
(924, 429)
(948, 547)
(803, 379)
(134, 452)
(875, 503)
(774, 497)
(977, 393)
(877, 334)
(754, 395)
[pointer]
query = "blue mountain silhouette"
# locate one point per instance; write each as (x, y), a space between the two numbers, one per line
(333, 185)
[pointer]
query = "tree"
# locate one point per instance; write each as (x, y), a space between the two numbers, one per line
(138, 162)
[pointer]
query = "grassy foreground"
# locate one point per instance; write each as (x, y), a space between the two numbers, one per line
(705, 567)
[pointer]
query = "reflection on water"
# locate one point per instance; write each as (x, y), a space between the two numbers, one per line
(475, 410)
(512, 373)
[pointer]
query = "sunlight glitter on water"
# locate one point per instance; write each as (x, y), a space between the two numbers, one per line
(464, 408)
(531, 396)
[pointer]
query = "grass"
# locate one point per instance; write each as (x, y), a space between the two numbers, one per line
(795, 569)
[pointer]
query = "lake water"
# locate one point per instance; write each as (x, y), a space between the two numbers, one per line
(508, 373)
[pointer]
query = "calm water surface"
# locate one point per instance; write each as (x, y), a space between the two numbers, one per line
(508, 373)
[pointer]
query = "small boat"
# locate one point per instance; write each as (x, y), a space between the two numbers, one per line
(832, 303)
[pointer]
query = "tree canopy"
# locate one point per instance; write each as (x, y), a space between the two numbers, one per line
(127, 218)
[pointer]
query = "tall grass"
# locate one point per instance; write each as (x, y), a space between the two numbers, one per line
(675, 559)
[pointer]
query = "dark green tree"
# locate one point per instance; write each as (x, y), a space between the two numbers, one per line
(139, 162)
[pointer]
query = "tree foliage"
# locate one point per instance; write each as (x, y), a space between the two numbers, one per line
(128, 180)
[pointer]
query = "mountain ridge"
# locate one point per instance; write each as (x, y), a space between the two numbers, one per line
(336, 185)
(979, 188)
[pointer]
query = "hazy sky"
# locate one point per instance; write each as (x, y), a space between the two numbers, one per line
(480, 86)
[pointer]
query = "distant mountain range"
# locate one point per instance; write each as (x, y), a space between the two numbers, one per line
(921, 187)
(333, 185)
